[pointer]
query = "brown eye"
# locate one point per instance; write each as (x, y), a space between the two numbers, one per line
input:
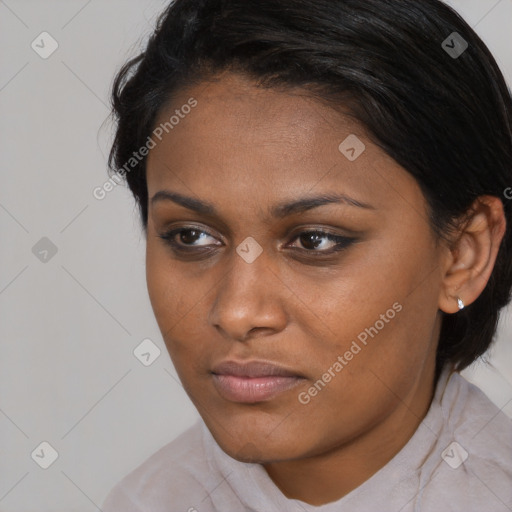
(322, 241)
(187, 238)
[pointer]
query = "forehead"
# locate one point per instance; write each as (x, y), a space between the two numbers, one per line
(251, 144)
(241, 109)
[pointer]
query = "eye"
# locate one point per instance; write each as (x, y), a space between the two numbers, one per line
(322, 242)
(187, 238)
(313, 242)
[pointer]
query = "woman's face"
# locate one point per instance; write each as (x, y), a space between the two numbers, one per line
(314, 262)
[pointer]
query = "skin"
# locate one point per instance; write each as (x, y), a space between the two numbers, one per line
(243, 149)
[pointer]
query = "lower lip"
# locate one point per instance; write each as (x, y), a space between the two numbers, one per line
(253, 389)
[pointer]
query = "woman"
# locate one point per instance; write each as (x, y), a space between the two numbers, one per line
(322, 185)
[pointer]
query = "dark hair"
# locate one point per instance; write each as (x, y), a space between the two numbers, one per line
(445, 118)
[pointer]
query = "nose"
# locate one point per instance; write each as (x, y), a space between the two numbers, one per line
(250, 300)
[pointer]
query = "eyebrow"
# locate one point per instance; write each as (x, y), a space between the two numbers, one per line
(279, 210)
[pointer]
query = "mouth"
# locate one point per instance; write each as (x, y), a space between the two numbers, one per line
(253, 382)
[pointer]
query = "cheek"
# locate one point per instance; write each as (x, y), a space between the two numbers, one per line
(179, 304)
(165, 288)
(379, 310)
(340, 305)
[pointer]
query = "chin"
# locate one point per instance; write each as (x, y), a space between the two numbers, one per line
(256, 445)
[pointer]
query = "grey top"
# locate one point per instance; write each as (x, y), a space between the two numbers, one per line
(458, 459)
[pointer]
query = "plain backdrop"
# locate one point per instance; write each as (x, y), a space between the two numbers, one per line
(73, 297)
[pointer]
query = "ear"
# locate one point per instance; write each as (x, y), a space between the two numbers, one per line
(471, 257)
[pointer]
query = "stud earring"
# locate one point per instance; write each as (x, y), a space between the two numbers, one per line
(460, 303)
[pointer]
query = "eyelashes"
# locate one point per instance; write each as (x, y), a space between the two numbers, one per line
(170, 236)
(310, 239)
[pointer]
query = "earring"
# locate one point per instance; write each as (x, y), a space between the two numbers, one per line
(460, 303)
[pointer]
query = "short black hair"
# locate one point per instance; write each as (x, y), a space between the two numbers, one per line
(445, 118)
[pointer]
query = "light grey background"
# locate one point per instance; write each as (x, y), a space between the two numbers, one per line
(69, 325)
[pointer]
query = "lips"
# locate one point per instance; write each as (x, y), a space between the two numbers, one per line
(253, 382)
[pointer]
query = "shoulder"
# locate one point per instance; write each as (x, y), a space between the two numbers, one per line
(476, 454)
(176, 474)
(473, 417)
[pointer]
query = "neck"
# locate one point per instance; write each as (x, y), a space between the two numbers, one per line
(328, 477)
